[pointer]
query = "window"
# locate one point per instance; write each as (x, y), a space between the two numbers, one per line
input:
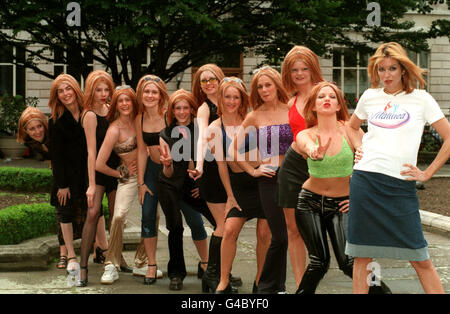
(231, 63)
(350, 74)
(60, 66)
(12, 76)
(350, 71)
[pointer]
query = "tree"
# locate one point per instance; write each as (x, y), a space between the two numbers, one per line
(120, 31)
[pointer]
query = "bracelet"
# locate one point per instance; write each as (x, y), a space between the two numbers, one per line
(139, 185)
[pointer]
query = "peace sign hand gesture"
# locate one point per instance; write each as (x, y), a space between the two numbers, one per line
(318, 151)
(165, 157)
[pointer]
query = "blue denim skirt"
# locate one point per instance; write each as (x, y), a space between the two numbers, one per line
(384, 219)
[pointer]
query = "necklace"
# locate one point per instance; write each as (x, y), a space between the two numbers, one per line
(394, 93)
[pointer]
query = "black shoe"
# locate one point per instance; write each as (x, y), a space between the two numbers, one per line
(126, 269)
(200, 270)
(176, 283)
(255, 287)
(228, 290)
(235, 281)
(99, 257)
(82, 282)
(151, 280)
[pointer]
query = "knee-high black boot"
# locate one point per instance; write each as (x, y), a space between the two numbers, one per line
(211, 277)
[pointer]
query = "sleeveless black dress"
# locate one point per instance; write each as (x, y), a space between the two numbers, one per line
(211, 187)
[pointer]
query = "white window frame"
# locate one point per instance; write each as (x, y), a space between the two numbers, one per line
(14, 75)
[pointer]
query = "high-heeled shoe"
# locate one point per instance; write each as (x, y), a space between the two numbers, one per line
(150, 280)
(228, 290)
(99, 257)
(200, 270)
(255, 287)
(82, 282)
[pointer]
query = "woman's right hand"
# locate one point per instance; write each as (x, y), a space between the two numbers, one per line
(318, 151)
(358, 154)
(132, 167)
(63, 195)
(142, 190)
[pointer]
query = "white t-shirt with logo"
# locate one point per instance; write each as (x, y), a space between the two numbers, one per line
(395, 126)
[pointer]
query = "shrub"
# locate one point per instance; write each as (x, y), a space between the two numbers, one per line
(25, 179)
(26, 221)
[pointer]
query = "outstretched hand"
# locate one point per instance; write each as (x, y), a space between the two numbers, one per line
(318, 152)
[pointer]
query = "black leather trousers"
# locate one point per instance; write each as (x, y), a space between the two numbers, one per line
(315, 216)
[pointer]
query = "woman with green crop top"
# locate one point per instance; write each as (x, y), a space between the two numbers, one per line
(323, 200)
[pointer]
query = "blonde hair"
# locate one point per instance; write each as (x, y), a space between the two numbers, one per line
(55, 105)
(113, 113)
(160, 85)
(30, 114)
(240, 86)
(272, 74)
(178, 96)
(311, 115)
(300, 53)
(412, 73)
(199, 95)
(94, 78)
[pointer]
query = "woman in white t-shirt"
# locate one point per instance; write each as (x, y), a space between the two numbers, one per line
(384, 220)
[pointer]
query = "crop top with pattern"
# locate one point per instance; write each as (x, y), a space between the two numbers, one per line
(336, 166)
(126, 146)
(281, 133)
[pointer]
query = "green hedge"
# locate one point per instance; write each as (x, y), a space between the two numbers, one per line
(26, 221)
(25, 179)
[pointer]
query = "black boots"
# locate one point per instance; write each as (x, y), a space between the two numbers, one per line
(211, 277)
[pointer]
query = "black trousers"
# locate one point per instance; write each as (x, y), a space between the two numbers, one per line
(169, 197)
(315, 216)
(273, 276)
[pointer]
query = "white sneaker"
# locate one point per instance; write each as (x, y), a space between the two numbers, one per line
(141, 272)
(110, 275)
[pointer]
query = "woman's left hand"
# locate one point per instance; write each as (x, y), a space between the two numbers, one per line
(343, 206)
(195, 192)
(414, 174)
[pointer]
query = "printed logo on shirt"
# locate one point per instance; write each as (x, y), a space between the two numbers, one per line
(391, 117)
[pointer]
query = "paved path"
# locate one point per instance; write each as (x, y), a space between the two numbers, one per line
(399, 275)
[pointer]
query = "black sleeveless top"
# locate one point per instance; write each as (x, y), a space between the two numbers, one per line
(212, 111)
(150, 138)
(100, 133)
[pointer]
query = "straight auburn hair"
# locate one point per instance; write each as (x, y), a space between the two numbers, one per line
(94, 78)
(177, 96)
(275, 77)
(113, 113)
(311, 115)
(55, 105)
(30, 114)
(240, 86)
(199, 95)
(300, 53)
(412, 73)
(160, 85)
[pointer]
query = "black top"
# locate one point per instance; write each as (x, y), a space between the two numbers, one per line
(100, 133)
(180, 156)
(69, 157)
(212, 111)
(150, 138)
(36, 147)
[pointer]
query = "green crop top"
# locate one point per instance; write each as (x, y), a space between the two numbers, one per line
(337, 166)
